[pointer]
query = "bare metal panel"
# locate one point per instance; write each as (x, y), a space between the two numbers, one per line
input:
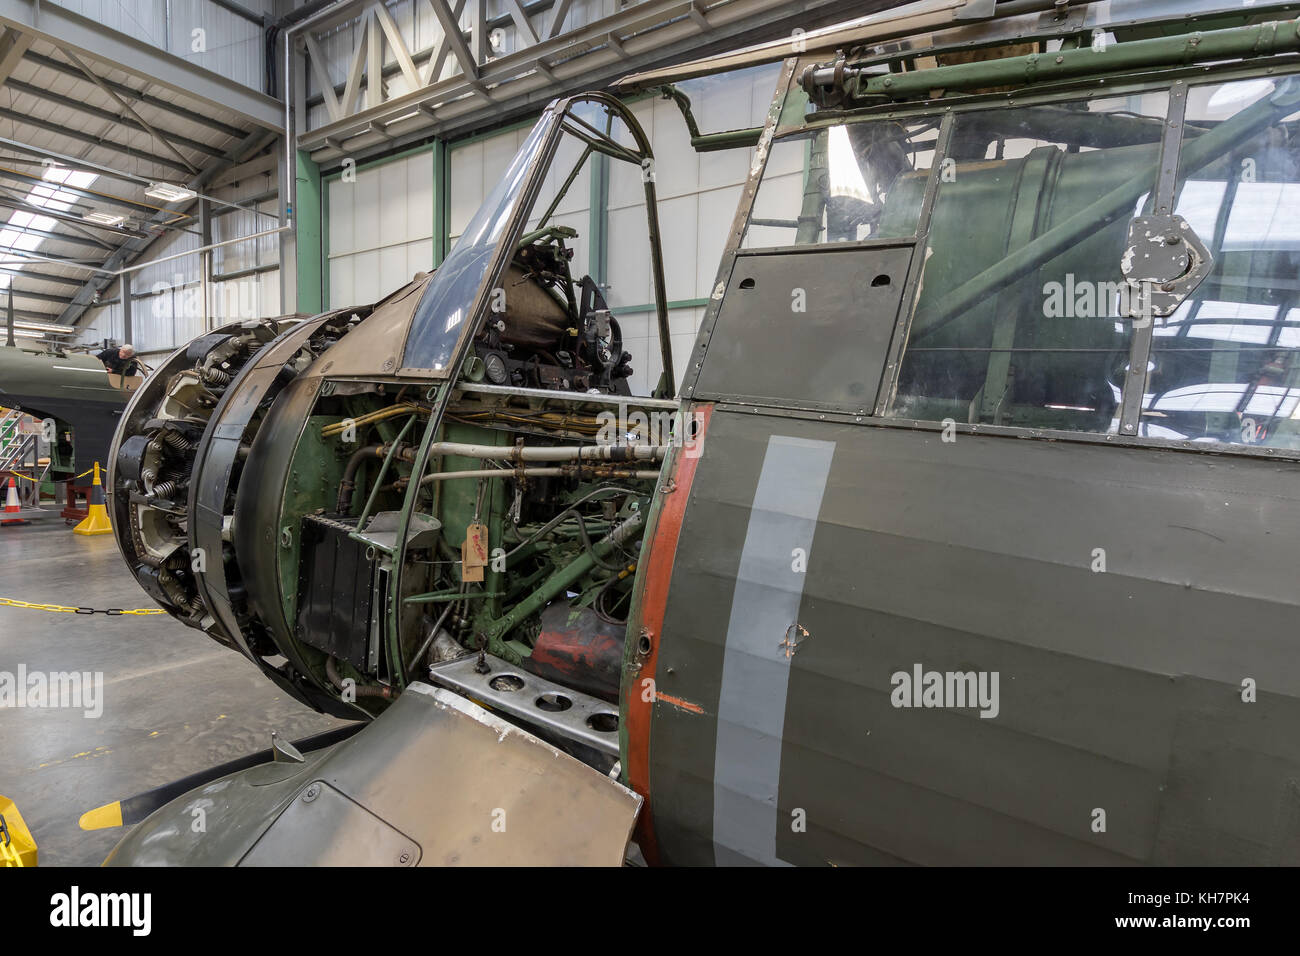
(377, 350)
(322, 809)
(444, 781)
(435, 780)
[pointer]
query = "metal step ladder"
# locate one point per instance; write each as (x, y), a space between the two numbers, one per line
(20, 454)
(10, 435)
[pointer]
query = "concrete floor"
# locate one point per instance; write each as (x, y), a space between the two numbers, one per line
(174, 702)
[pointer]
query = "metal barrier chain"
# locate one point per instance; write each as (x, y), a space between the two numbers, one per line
(53, 481)
(63, 609)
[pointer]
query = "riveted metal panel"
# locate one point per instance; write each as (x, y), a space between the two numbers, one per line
(806, 328)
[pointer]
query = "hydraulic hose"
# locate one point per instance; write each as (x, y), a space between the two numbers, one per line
(348, 484)
(361, 690)
(613, 453)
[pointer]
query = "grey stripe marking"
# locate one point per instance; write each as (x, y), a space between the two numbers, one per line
(755, 671)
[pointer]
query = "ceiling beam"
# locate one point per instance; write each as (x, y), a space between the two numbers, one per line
(32, 316)
(57, 236)
(93, 197)
(451, 32)
(85, 265)
(261, 166)
(652, 32)
(99, 83)
(63, 28)
(81, 106)
(90, 139)
(131, 251)
(434, 57)
(26, 273)
(250, 201)
(252, 16)
(556, 26)
(39, 296)
(12, 48)
(140, 96)
(107, 172)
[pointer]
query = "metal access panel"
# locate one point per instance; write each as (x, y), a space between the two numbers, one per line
(437, 780)
(807, 329)
(335, 585)
(366, 840)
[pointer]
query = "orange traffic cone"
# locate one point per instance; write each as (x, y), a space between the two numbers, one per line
(11, 504)
(97, 521)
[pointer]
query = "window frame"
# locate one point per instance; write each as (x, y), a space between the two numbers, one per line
(553, 125)
(1175, 82)
(1163, 189)
(912, 238)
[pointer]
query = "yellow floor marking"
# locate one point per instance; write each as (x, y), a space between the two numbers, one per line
(97, 752)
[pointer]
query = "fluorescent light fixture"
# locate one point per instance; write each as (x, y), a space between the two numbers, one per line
(103, 218)
(20, 334)
(38, 326)
(169, 192)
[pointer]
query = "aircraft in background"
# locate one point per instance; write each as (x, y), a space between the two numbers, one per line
(72, 389)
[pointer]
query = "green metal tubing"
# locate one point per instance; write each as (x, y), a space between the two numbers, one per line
(442, 597)
(563, 191)
(814, 197)
(393, 598)
(383, 470)
(728, 139)
(710, 142)
(1258, 40)
(598, 221)
(651, 306)
(559, 582)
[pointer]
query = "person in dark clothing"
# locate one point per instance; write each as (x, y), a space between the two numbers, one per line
(120, 361)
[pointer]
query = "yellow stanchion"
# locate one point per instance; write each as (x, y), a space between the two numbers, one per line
(96, 522)
(17, 848)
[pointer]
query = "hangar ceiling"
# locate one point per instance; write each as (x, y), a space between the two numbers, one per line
(90, 144)
(97, 125)
(502, 66)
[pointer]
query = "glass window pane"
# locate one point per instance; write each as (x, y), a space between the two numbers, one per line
(842, 184)
(1020, 317)
(728, 101)
(1224, 367)
(440, 317)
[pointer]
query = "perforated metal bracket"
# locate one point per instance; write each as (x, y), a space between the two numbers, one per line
(513, 690)
(1164, 261)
